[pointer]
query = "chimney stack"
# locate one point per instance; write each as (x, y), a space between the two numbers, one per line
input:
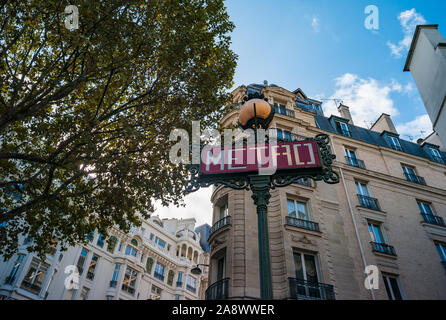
(344, 111)
(384, 123)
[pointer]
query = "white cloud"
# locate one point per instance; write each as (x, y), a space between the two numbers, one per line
(198, 206)
(409, 19)
(418, 128)
(367, 98)
(315, 24)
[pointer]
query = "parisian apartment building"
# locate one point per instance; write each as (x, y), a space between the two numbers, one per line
(152, 262)
(387, 211)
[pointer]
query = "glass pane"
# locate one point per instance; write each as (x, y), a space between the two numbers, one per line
(220, 269)
(287, 135)
(310, 268)
(302, 210)
(389, 294)
(395, 288)
(291, 208)
(378, 235)
(298, 266)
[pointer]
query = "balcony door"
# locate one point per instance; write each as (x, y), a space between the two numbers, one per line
(306, 275)
(351, 157)
(425, 208)
(221, 268)
(223, 211)
(376, 233)
(297, 209)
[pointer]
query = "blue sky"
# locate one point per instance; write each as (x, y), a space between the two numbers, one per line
(323, 47)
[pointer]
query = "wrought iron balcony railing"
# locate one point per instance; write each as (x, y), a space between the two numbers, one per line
(304, 182)
(218, 290)
(304, 224)
(414, 178)
(430, 218)
(113, 284)
(369, 202)
(190, 288)
(226, 221)
(355, 162)
(306, 290)
(158, 275)
(34, 288)
(383, 248)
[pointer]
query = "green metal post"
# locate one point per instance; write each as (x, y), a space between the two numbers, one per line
(260, 186)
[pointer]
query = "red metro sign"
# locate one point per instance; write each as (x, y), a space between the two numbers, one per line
(280, 157)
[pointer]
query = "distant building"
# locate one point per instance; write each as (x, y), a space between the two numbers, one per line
(151, 262)
(203, 231)
(427, 63)
(388, 211)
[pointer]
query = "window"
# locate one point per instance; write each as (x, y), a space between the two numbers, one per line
(159, 272)
(10, 279)
(130, 251)
(280, 108)
(283, 134)
(170, 276)
(297, 209)
(305, 267)
(134, 242)
(34, 277)
(352, 159)
(362, 189)
(395, 143)
(84, 293)
(343, 128)
(156, 292)
(81, 260)
(392, 287)
(223, 211)
(177, 297)
(149, 265)
(112, 244)
(100, 242)
(142, 258)
(114, 280)
(436, 155)
(220, 268)
(376, 233)
(129, 282)
(441, 248)
(92, 267)
(190, 285)
(90, 236)
(120, 246)
(151, 236)
(425, 208)
(161, 244)
(180, 279)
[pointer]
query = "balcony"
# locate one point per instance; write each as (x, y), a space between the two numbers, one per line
(179, 284)
(159, 276)
(305, 182)
(383, 248)
(34, 288)
(190, 288)
(355, 162)
(128, 289)
(369, 202)
(218, 290)
(226, 221)
(414, 178)
(113, 284)
(430, 218)
(306, 290)
(303, 224)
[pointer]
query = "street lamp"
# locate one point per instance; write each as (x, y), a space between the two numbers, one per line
(197, 270)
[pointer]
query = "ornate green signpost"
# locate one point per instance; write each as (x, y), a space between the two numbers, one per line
(310, 158)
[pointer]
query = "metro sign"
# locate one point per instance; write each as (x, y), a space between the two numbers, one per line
(280, 157)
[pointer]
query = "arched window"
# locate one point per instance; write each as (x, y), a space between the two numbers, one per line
(134, 242)
(149, 265)
(112, 244)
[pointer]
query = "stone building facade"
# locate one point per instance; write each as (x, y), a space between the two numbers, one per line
(151, 262)
(387, 211)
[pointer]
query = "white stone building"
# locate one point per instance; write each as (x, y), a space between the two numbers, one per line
(151, 262)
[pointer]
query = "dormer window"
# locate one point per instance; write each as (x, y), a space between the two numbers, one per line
(395, 143)
(436, 155)
(343, 128)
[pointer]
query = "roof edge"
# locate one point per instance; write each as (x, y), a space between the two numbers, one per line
(414, 41)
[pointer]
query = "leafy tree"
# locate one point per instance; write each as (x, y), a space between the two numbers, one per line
(85, 114)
